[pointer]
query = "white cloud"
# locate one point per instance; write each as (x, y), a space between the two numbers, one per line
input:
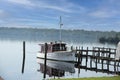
(55, 5)
(23, 2)
(104, 13)
(61, 5)
(58, 8)
(40, 4)
(100, 14)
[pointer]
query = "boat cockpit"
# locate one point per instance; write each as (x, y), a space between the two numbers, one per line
(52, 47)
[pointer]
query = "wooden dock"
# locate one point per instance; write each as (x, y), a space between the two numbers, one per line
(97, 59)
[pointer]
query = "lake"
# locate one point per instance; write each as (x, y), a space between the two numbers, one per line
(11, 51)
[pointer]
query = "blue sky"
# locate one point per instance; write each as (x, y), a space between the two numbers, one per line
(100, 15)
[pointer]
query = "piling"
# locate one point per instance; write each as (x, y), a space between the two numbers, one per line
(23, 64)
(76, 53)
(108, 61)
(90, 61)
(86, 57)
(115, 66)
(79, 61)
(45, 60)
(79, 55)
(96, 64)
(98, 55)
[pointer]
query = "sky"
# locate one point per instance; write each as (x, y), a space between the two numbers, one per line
(96, 15)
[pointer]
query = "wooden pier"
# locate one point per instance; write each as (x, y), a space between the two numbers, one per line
(97, 59)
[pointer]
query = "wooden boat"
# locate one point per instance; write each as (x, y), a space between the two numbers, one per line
(56, 51)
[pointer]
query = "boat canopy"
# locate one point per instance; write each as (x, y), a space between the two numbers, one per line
(52, 47)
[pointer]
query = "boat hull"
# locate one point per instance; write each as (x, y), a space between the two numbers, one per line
(59, 56)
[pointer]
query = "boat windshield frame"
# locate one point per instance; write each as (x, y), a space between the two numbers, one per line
(54, 47)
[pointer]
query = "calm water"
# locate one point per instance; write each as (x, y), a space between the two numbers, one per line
(11, 54)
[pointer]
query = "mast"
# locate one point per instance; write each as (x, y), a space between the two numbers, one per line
(60, 29)
(60, 33)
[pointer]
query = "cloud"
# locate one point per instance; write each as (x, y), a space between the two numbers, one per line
(58, 8)
(104, 13)
(100, 14)
(23, 2)
(61, 5)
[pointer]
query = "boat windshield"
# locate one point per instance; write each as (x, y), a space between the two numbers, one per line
(54, 47)
(59, 47)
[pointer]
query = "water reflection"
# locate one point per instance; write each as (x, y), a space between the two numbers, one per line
(56, 68)
(11, 59)
(52, 71)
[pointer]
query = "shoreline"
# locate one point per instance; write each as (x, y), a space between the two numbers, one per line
(117, 77)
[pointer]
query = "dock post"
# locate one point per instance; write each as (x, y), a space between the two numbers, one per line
(86, 58)
(115, 66)
(96, 64)
(23, 64)
(108, 62)
(115, 53)
(97, 60)
(46, 48)
(102, 64)
(79, 57)
(98, 55)
(93, 54)
(79, 61)
(102, 60)
(103, 49)
(76, 53)
(118, 67)
(81, 54)
(90, 61)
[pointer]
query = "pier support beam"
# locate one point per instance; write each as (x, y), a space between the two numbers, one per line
(23, 64)
(86, 58)
(46, 48)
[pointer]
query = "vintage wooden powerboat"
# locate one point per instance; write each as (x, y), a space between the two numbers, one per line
(56, 51)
